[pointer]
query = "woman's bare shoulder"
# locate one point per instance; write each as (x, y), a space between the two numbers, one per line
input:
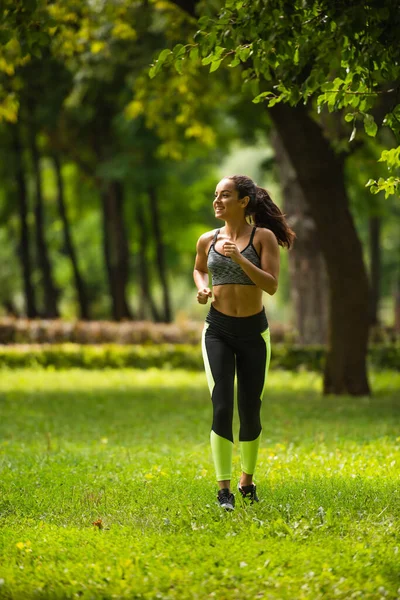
(265, 236)
(205, 239)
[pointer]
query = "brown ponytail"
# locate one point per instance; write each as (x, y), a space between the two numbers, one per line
(267, 214)
(264, 211)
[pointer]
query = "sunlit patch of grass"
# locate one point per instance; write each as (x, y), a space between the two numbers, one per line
(108, 491)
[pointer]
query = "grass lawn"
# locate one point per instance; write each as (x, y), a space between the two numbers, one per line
(129, 450)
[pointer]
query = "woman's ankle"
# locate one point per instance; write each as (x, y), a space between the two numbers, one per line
(226, 484)
(246, 480)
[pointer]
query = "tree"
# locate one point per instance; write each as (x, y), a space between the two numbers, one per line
(25, 244)
(68, 241)
(42, 250)
(321, 54)
(90, 60)
(337, 55)
(377, 223)
(308, 276)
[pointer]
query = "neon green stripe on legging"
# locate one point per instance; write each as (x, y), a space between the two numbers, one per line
(267, 339)
(222, 454)
(221, 448)
(249, 450)
(210, 379)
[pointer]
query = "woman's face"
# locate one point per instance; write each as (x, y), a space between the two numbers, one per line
(226, 202)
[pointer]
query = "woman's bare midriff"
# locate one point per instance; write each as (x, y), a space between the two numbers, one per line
(237, 300)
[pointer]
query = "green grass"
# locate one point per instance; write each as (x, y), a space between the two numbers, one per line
(131, 448)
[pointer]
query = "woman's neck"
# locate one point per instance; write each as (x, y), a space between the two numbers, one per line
(236, 229)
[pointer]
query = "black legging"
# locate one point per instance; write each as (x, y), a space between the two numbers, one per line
(242, 343)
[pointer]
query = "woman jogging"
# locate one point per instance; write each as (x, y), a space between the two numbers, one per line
(243, 261)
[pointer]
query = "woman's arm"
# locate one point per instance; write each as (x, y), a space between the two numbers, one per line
(200, 271)
(266, 278)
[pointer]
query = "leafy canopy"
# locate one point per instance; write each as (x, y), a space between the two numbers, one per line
(339, 55)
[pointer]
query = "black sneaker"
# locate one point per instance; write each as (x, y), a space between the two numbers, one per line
(226, 499)
(249, 492)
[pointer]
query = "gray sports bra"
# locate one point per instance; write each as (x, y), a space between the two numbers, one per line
(224, 270)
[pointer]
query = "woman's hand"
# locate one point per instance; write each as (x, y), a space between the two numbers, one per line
(231, 250)
(203, 295)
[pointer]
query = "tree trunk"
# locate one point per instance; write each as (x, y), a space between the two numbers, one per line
(375, 275)
(320, 176)
(308, 276)
(69, 246)
(50, 291)
(160, 254)
(24, 246)
(116, 249)
(146, 297)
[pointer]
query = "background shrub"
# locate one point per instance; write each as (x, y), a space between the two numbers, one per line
(169, 356)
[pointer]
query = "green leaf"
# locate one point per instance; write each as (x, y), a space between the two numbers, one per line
(207, 59)
(354, 101)
(275, 100)
(261, 96)
(179, 50)
(235, 62)
(218, 51)
(178, 64)
(370, 126)
(244, 53)
(164, 55)
(391, 157)
(203, 22)
(194, 53)
(349, 117)
(215, 65)
(254, 87)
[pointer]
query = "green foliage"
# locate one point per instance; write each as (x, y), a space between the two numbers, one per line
(25, 32)
(108, 490)
(107, 119)
(105, 123)
(344, 60)
(367, 208)
(391, 185)
(67, 356)
(170, 356)
(391, 157)
(164, 54)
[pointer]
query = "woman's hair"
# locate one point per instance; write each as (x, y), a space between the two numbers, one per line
(265, 213)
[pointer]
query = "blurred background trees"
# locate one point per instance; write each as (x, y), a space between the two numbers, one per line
(107, 175)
